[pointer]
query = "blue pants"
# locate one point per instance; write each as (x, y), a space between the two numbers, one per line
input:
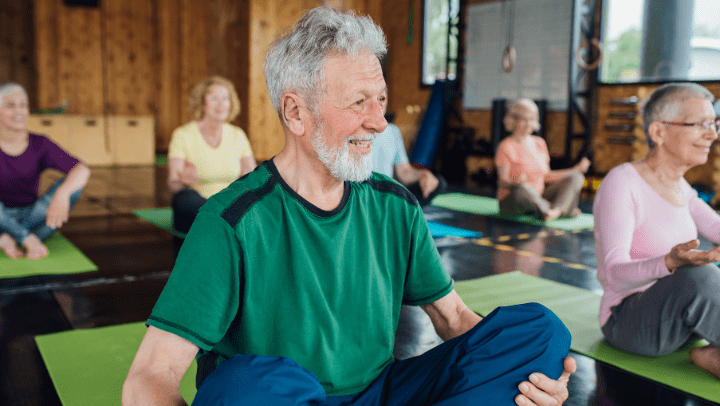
(186, 204)
(482, 367)
(20, 222)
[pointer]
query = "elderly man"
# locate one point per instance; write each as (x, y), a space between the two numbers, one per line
(289, 285)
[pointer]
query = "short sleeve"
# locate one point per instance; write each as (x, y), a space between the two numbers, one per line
(178, 144)
(201, 298)
(243, 144)
(400, 153)
(543, 148)
(505, 154)
(55, 157)
(427, 280)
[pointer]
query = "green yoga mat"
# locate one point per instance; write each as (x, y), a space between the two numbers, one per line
(88, 367)
(487, 206)
(160, 217)
(64, 258)
(578, 309)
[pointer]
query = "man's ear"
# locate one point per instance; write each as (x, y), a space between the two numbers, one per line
(293, 113)
(657, 131)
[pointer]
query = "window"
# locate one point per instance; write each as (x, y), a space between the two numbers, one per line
(440, 16)
(663, 41)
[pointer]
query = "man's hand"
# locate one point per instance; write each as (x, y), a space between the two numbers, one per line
(543, 391)
(428, 183)
(58, 211)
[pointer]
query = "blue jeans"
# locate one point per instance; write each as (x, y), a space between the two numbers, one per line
(481, 367)
(20, 222)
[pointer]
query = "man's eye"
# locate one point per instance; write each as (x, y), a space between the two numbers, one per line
(359, 102)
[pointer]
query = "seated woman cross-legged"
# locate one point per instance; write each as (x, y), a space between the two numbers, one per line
(526, 185)
(660, 292)
(207, 154)
(26, 218)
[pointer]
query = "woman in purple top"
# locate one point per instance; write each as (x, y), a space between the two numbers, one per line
(660, 291)
(26, 218)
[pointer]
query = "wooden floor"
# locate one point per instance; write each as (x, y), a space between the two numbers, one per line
(135, 259)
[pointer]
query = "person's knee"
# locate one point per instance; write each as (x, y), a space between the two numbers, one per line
(702, 280)
(576, 179)
(536, 323)
(544, 320)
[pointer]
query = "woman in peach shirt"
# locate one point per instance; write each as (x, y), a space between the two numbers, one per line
(523, 167)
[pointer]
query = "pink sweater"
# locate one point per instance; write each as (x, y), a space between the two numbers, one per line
(635, 228)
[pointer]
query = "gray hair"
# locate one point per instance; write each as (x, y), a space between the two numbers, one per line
(9, 87)
(296, 60)
(665, 103)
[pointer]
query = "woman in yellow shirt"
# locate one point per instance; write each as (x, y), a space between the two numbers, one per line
(208, 153)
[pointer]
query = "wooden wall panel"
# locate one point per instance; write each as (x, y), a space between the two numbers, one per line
(407, 98)
(46, 52)
(17, 62)
(80, 59)
(229, 36)
(193, 49)
(128, 44)
(167, 76)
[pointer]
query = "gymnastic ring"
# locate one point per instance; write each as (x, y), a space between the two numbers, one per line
(581, 62)
(508, 59)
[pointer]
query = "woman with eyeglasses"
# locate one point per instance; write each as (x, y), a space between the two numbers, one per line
(660, 292)
(526, 185)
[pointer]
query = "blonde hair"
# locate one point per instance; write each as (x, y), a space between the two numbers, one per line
(518, 107)
(197, 97)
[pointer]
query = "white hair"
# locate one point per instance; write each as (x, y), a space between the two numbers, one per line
(665, 103)
(340, 163)
(8, 88)
(295, 61)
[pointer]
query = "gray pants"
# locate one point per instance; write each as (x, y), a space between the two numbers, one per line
(678, 308)
(563, 194)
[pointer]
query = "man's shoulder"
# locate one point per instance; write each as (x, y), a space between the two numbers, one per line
(233, 202)
(389, 187)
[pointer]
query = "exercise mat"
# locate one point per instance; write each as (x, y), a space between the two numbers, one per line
(438, 230)
(88, 366)
(64, 258)
(160, 217)
(578, 309)
(488, 206)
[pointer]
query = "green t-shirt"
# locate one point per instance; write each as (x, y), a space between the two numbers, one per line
(265, 272)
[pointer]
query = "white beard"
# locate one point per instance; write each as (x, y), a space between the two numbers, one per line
(338, 160)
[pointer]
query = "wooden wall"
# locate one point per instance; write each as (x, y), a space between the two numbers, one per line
(139, 57)
(17, 61)
(131, 57)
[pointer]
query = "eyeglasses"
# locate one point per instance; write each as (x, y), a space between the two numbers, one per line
(704, 125)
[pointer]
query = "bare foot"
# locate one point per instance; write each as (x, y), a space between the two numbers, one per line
(9, 246)
(574, 213)
(552, 214)
(35, 248)
(707, 358)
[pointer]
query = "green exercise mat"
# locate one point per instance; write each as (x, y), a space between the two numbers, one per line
(64, 258)
(88, 367)
(488, 206)
(578, 309)
(160, 217)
